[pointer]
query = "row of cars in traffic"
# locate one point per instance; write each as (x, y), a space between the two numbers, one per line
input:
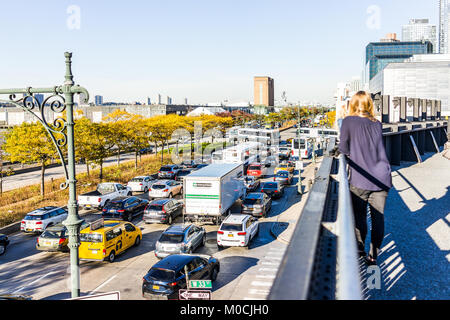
(104, 239)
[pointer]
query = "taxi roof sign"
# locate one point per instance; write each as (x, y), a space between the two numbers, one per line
(97, 224)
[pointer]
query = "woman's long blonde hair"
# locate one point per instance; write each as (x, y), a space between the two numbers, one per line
(361, 105)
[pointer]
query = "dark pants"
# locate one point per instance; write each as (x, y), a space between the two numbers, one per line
(376, 201)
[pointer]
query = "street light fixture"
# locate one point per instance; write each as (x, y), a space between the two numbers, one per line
(61, 132)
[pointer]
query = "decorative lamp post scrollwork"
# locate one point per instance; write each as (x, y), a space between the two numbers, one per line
(61, 132)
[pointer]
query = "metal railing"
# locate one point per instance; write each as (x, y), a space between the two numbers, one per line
(348, 285)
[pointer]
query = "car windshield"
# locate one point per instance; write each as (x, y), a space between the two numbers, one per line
(155, 207)
(270, 186)
(231, 227)
(50, 234)
(282, 174)
(137, 180)
(105, 188)
(91, 237)
(161, 274)
(33, 218)
(165, 169)
(254, 168)
(171, 238)
(115, 205)
(251, 201)
(159, 186)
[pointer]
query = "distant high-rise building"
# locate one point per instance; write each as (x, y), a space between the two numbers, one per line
(149, 101)
(380, 54)
(444, 22)
(98, 100)
(159, 99)
(264, 92)
(420, 30)
(185, 101)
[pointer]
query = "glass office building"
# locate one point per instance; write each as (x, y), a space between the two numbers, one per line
(380, 54)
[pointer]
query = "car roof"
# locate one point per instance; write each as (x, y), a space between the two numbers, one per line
(174, 262)
(162, 182)
(283, 171)
(254, 195)
(271, 182)
(159, 201)
(178, 228)
(108, 225)
(42, 211)
(236, 218)
(120, 199)
(255, 164)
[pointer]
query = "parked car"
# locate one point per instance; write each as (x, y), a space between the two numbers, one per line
(104, 240)
(162, 211)
(56, 238)
(165, 189)
(104, 193)
(183, 173)
(257, 170)
(167, 277)
(168, 172)
(275, 190)
(251, 183)
(284, 177)
(40, 219)
(141, 184)
(180, 238)
(257, 204)
(124, 208)
(237, 230)
(4, 242)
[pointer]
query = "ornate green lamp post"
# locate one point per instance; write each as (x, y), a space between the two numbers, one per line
(61, 132)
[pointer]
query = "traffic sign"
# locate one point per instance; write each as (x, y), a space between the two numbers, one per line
(200, 284)
(195, 294)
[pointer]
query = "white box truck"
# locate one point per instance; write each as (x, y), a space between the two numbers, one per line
(210, 192)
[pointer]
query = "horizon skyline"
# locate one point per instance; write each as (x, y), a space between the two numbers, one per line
(210, 52)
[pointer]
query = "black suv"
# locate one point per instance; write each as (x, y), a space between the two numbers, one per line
(167, 277)
(125, 208)
(275, 189)
(162, 211)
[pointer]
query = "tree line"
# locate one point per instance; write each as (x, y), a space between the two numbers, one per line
(121, 132)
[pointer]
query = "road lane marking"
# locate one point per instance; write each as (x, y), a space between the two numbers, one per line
(261, 284)
(266, 276)
(35, 281)
(258, 291)
(103, 284)
(268, 269)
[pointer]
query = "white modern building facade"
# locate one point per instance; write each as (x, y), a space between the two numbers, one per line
(422, 76)
(420, 30)
(444, 22)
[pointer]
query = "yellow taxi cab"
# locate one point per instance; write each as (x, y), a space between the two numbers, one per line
(285, 167)
(104, 240)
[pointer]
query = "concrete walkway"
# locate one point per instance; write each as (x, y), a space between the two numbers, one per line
(415, 258)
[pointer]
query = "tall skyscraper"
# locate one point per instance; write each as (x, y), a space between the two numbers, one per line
(264, 91)
(149, 101)
(380, 54)
(420, 30)
(98, 100)
(159, 99)
(443, 25)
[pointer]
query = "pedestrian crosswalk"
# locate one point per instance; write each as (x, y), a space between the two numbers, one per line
(266, 271)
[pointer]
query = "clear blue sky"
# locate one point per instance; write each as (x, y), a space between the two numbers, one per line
(206, 50)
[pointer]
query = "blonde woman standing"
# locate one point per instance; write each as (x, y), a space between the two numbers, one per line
(361, 139)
